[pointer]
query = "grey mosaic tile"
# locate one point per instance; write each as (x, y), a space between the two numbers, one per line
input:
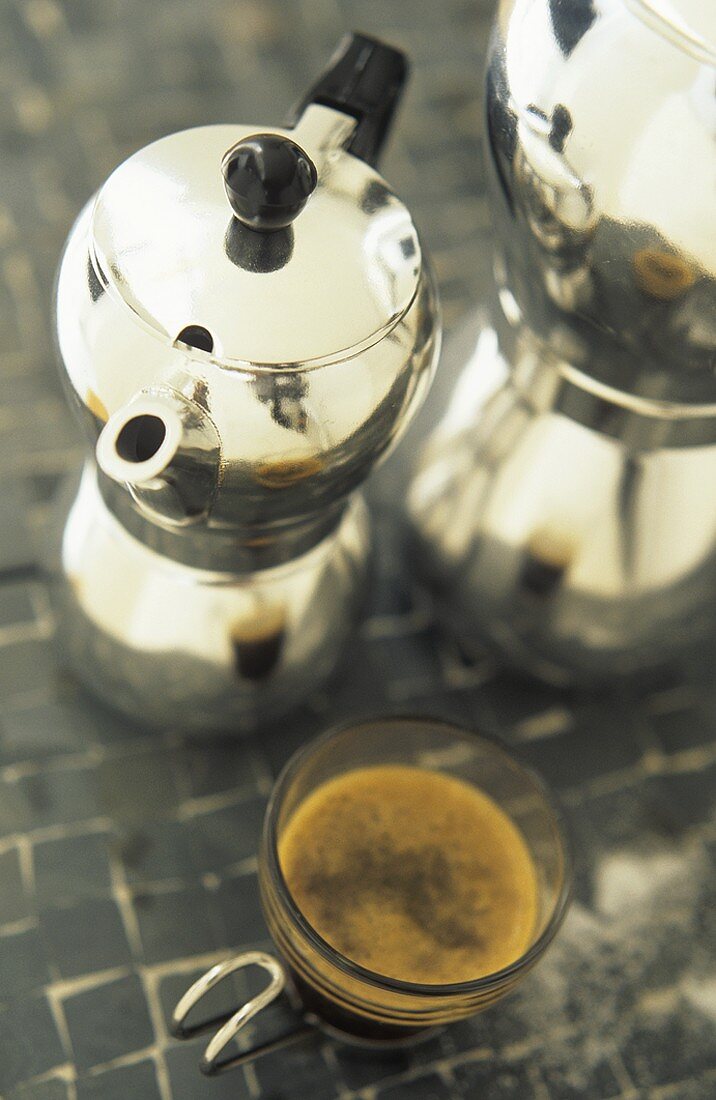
(427, 1087)
(36, 731)
(357, 688)
(137, 1082)
(688, 798)
(15, 810)
(108, 1022)
(14, 903)
(43, 1090)
(498, 1027)
(86, 936)
(586, 752)
(667, 1047)
(514, 698)
(704, 920)
(281, 739)
(44, 430)
(570, 1078)
(97, 723)
(156, 851)
(639, 810)
(16, 604)
(224, 837)
(496, 1079)
(176, 924)
(15, 543)
(23, 964)
(411, 657)
(71, 868)
(214, 765)
(390, 594)
(138, 787)
(685, 728)
(581, 836)
(299, 1071)
(60, 796)
(187, 1082)
(239, 906)
(360, 1068)
(26, 667)
(29, 1041)
(22, 386)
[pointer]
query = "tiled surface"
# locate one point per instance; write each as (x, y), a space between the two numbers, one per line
(127, 860)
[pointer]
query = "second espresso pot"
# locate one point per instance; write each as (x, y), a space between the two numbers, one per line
(564, 512)
(246, 324)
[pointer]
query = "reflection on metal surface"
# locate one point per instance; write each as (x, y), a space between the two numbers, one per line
(597, 439)
(198, 647)
(581, 548)
(605, 152)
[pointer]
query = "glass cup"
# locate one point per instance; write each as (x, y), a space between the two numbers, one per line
(330, 990)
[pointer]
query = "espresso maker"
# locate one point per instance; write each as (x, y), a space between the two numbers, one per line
(246, 324)
(564, 510)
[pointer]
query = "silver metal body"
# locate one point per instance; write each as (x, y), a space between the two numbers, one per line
(565, 508)
(213, 559)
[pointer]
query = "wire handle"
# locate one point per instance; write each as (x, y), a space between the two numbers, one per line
(233, 1024)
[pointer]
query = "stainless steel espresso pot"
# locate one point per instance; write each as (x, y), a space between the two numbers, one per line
(246, 324)
(565, 509)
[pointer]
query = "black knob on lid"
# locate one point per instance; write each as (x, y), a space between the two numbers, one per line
(268, 180)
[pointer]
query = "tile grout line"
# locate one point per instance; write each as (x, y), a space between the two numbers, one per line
(123, 898)
(26, 863)
(162, 1075)
(144, 1054)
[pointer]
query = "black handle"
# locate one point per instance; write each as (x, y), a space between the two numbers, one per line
(365, 79)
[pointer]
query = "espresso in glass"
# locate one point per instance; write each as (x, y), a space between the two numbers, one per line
(412, 873)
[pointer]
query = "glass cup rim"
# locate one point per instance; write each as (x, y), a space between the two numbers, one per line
(371, 977)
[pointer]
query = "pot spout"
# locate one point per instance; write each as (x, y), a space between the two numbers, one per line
(165, 450)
